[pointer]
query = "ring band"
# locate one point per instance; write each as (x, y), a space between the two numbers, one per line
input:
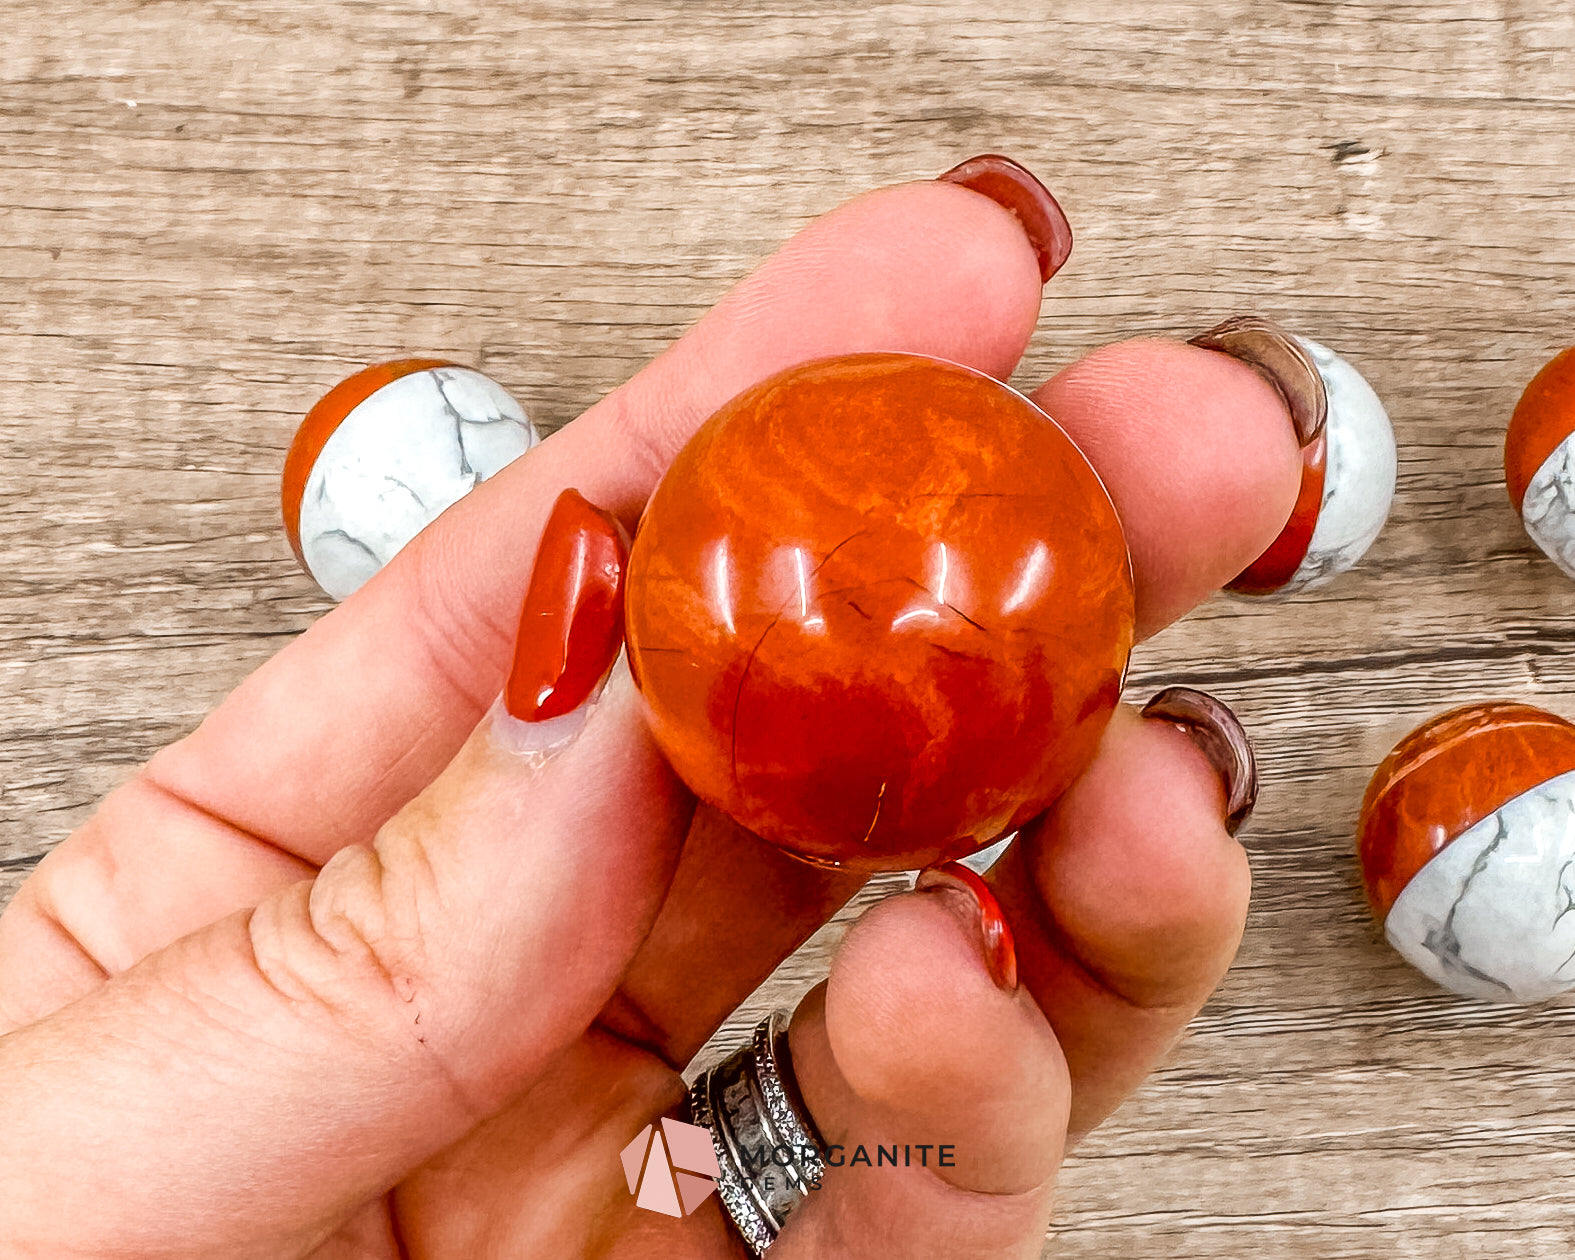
(767, 1150)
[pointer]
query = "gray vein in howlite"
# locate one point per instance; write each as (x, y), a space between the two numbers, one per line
(1565, 889)
(352, 540)
(466, 424)
(1488, 916)
(419, 501)
(1548, 509)
(460, 421)
(1359, 473)
(1443, 944)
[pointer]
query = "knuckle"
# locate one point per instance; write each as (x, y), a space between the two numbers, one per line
(352, 940)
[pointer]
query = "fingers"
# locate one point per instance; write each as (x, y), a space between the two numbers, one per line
(1127, 901)
(1130, 895)
(1199, 455)
(312, 1052)
(737, 907)
(376, 696)
(1201, 458)
(142, 872)
(911, 1045)
(334, 734)
(1201, 494)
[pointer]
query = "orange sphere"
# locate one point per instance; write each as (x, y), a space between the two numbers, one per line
(879, 609)
(1543, 419)
(1445, 777)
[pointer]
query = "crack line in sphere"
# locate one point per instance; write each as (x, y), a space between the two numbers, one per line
(918, 585)
(964, 616)
(738, 696)
(880, 799)
(960, 495)
(860, 534)
(743, 678)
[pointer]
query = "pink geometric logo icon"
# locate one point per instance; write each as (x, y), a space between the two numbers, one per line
(671, 1169)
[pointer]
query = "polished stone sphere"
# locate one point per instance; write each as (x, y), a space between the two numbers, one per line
(879, 609)
(381, 455)
(1348, 485)
(1467, 846)
(1539, 460)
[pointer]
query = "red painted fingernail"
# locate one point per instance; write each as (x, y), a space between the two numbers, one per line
(1210, 724)
(1007, 184)
(995, 935)
(571, 626)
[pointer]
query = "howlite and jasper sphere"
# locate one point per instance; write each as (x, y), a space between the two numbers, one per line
(386, 451)
(1467, 846)
(879, 609)
(1348, 485)
(1539, 460)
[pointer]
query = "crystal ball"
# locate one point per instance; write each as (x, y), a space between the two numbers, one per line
(1539, 460)
(1467, 847)
(879, 610)
(382, 454)
(1348, 484)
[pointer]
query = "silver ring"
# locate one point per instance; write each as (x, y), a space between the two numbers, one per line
(770, 1046)
(767, 1151)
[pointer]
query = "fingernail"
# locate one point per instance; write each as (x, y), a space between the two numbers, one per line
(1211, 725)
(1282, 360)
(1007, 184)
(571, 624)
(983, 912)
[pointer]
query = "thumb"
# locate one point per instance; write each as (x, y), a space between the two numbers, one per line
(259, 1080)
(938, 1088)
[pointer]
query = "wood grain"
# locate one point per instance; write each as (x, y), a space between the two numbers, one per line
(209, 213)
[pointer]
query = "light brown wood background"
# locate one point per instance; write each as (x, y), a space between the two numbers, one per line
(209, 212)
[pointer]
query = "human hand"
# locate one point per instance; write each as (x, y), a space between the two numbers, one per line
(444, 1040)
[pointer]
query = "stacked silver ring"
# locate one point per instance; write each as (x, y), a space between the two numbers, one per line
(766, 1146)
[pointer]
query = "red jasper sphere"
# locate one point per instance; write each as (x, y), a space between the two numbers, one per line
(1539, 460)
(879, 609)
(1467, 842)
(1444, 778)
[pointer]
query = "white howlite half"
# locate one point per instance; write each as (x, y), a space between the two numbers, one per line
(988, 856)
(403, 455)
(1548, 509)
(1493, 915)
(1360, 466)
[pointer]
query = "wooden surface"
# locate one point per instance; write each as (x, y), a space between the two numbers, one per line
(211, 212)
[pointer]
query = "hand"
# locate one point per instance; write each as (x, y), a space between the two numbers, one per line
(298, 990)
